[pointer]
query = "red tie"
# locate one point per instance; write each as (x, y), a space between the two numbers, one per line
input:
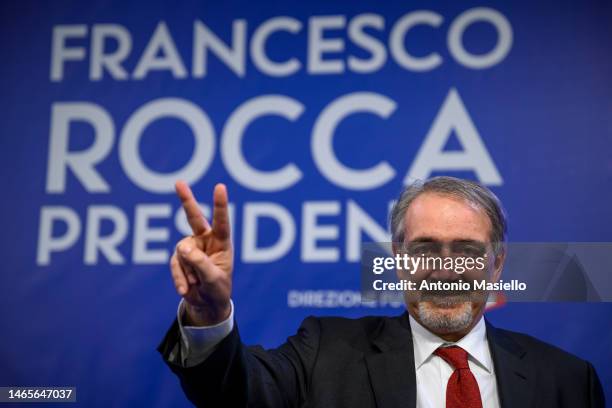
(462, 389)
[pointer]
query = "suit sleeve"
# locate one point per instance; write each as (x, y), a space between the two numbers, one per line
(596, 395)
(239, 376)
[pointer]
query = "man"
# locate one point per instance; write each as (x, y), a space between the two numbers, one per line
(440, 353)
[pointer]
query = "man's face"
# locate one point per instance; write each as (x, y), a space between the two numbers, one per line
(448, 222)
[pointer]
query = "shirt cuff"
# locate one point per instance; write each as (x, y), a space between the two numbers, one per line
(199, 342)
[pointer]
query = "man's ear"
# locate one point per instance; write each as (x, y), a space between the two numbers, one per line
(498, 265)
(395, 249)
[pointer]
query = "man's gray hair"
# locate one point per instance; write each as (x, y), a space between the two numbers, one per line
(470, 191)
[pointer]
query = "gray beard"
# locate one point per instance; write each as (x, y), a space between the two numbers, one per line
(437, 321)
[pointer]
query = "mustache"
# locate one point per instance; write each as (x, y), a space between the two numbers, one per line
(449, 296)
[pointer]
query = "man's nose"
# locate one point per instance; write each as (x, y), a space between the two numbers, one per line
(444, 274)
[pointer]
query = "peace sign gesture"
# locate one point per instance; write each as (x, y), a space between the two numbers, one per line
(202, 264)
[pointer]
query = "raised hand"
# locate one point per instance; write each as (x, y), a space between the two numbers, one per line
(202, 264)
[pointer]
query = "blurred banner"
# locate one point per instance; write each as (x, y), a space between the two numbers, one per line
(314, 114)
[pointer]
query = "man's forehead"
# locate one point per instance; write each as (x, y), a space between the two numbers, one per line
(447, 218)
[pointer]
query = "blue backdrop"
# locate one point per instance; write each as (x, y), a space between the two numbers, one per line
(314, 114)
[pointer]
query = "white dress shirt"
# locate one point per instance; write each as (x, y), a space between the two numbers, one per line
(432, 372)
(197, 343)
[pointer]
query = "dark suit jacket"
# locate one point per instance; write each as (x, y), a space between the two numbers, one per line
(369, 362)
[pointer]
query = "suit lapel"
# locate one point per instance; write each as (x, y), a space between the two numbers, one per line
(393, 377)
(514, 375)
(391, 369)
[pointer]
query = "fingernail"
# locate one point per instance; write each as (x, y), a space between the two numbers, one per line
(185, 249)
(181, 290)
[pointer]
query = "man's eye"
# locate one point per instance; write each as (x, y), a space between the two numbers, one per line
(469, 250)
(422, 249)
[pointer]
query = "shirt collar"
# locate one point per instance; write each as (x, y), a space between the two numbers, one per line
(475, 343)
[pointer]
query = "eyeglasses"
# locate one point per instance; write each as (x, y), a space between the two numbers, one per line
(471, 249)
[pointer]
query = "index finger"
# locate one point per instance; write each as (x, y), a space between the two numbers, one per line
(221, 223)
(195, 218)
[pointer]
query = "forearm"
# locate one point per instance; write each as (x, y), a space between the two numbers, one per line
(198, 342)
(205, 316)
(236, 375)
